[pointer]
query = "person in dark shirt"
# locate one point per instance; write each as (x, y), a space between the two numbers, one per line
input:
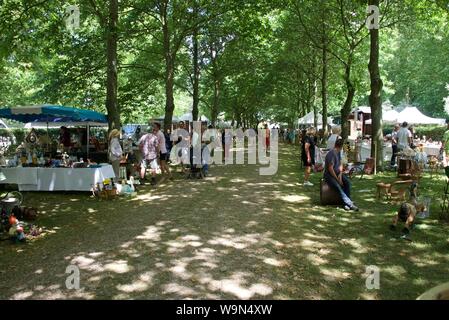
(168, 142)
(334, 177)
(82, 136)
(64, 137)
(308, 155)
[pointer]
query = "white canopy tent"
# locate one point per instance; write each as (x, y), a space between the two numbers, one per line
(162, 118)
(308, 119)
(389, 117)
(412, 115)
(188, 117)
(363, 109)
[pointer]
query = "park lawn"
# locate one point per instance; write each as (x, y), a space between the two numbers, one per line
(236, 235)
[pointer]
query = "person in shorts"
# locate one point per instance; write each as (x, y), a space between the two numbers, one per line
(149, 147)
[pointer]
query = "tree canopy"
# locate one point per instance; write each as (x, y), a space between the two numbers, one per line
(244, 61)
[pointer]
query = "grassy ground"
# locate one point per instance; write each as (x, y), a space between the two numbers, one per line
(236, 235)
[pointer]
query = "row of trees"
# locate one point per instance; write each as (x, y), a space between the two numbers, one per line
(248, 61)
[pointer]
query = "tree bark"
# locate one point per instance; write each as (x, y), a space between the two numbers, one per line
(347, 106)
(375, 99)
(196, 71)
(169, 71)
(217, 85)
(216, 102)
(314, 106)
(324, 86)
(111, 81)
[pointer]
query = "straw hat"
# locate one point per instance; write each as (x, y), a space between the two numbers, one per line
(114, 134)
(336, 130)
(311, 130)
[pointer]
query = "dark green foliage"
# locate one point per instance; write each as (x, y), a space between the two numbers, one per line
(255, 59)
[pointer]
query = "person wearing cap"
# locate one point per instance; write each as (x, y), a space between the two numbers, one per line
(115, 151)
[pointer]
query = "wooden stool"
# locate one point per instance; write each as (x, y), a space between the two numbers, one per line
(369, 166)
(434, 166)
(383, 189)
(395, 191)
(328, 195)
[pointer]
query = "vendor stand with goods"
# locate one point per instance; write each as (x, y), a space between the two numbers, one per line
(61, 164)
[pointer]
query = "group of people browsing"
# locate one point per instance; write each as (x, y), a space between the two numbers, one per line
(153, 151)
(158, 148)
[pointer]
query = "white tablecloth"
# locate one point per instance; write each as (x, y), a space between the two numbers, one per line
(432, 150)
(19, 175)
(56, 179)
(365, 151)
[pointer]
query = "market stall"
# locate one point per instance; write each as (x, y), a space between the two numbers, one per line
(52, 115)
(36, 166)
(96, 149)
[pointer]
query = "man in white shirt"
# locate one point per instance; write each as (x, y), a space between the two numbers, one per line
(163, 156)
(404, 137)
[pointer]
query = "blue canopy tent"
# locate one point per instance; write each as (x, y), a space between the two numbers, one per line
(53, 114)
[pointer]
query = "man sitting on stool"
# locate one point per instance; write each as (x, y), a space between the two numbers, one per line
(334, 177)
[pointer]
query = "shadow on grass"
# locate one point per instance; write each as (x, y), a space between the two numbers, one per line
(236, 235)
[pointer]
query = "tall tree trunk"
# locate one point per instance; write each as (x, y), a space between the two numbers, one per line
(111, 81)
(196, 71)
(375, 96)
(216, 102)
(217, 84)
(169, 95)
(324, 86)
(314, 106)
(169, 71)
(347, 106)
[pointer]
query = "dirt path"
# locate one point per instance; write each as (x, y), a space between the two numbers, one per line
(237, 235)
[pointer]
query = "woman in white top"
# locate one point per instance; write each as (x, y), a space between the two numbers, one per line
(336, 132)
(115, 151)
